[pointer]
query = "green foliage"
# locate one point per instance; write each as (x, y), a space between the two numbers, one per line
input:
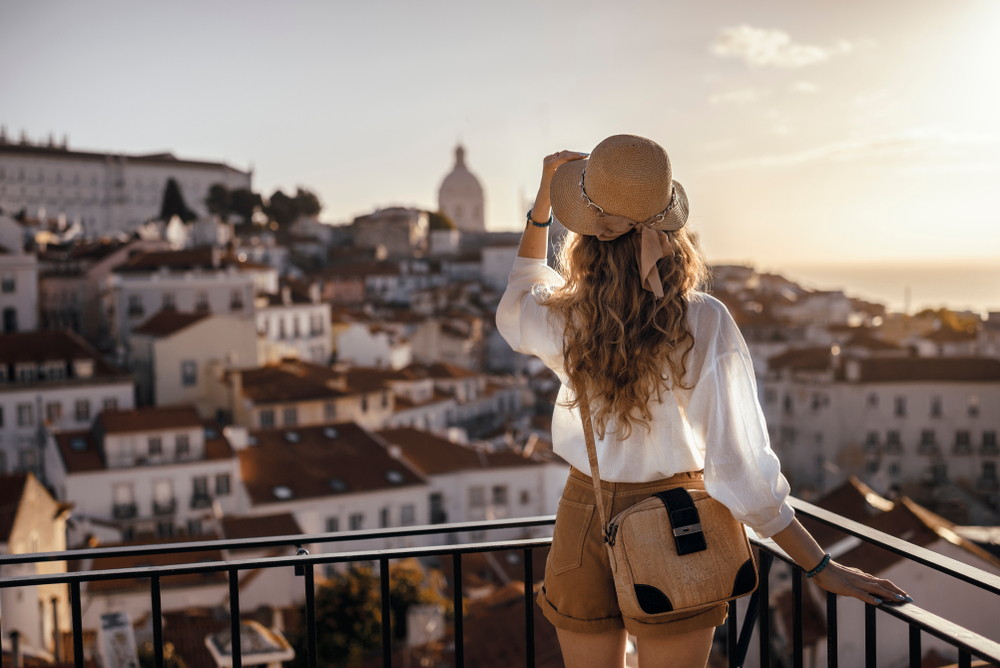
(244, 202)
(439, 221)
(349, 614)
(170, 657)
(307, 203)
(285, 210)
(218, 201)
(174, 205)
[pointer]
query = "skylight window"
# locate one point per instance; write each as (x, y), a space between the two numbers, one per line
(330, 432)
(338, 485)
(78, 444)
(394, 476)
(211, 433)
(282, 493)
(252, 440)
(292, 436)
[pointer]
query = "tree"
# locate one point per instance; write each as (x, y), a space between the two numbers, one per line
(174, 205)
(219, 201)
(349, 614)
(437, 220)
(244, 202)
(307, 203)
(282, 209)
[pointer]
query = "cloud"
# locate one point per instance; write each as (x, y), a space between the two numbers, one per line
(930, 147)
(774, 48)
(805, 87)
(740, 97)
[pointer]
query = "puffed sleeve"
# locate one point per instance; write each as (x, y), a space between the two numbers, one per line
(522, 321)
(741, 469)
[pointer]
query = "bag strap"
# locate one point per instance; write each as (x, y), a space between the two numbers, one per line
(595, 472)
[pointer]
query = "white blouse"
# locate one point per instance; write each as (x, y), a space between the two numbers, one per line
(717, 425)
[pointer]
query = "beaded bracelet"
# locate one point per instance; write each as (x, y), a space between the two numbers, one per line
(545, 224)
(822, 565)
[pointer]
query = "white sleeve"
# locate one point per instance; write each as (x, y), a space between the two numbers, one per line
(522, 321)
(741, 469)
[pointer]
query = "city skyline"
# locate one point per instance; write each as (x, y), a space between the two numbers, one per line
(874, 124)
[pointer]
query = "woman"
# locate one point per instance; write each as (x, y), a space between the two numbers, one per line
(670, 385)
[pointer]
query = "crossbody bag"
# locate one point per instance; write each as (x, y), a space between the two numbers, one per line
(678, 550)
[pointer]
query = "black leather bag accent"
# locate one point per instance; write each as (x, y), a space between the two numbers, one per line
(652, 600)
(683, 515)
(746, 579)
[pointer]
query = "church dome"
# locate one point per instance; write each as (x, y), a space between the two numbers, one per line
(461, 196)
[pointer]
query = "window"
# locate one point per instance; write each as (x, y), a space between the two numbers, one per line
(53, 411)
(927, 439)
(281, 328)
(525, 497)
(332, 524)
(201, 302)
(27, 459)
(872, 400)
(770, 395)
(936, 406)
(894, 469)
(1, 424)
(168, 302)
(236, 300)
(383, 518)
(135, 308)
(364, 404)
(871, 441)
(963, 441)
(289, 416)
(266, 417)
(82, 410)
(477, 497)
(155, 446)
(222, 484)
(330, 411)
(892, 441)
(500, 495)
(408, 514)
(788, 404)
(194, 527)
(110, 404)
(872, 466)
(438, 514)
(165, 529)
(296, 332)
(189, 373)
(385, 399)
(900, 406)
(356, 520)
(200, 486)
(9, 283)
(990, 441)
(25, 415)
(183, 446)
(939, 474)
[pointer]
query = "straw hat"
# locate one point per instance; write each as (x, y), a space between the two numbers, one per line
(625, 177)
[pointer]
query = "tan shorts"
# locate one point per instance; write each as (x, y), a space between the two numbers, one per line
(578, 593)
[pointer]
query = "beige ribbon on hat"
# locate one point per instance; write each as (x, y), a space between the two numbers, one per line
(651, 245)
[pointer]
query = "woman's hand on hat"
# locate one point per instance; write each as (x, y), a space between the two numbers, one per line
(552, 162)
(848, 581)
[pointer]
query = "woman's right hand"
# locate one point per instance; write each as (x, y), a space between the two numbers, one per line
(848, 581)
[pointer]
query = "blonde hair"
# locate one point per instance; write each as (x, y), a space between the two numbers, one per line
(622, 344)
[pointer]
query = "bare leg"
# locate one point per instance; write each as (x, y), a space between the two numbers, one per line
(688, 650)
(593, 650)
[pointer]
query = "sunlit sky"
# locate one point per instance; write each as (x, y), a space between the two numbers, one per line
(828, 131)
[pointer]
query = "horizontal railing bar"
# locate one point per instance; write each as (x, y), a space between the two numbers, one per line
(274, 541)
(272, 562)
(921, 555)
(908, 612)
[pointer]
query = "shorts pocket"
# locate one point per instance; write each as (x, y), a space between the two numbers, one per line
(572, 524)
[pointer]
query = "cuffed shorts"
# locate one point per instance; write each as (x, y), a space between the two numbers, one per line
(578, 593)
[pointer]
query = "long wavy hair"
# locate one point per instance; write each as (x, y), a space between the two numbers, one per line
(622, 344)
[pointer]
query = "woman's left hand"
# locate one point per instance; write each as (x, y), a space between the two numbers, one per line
(552, 162)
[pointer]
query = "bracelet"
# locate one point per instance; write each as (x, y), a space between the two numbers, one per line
(822, 565)
(545, 224)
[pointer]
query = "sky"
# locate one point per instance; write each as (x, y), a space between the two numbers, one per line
(805, 133)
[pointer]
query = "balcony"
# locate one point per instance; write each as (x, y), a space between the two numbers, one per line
(168, 507)
(201, 501)
(124, 511)
(753, 616)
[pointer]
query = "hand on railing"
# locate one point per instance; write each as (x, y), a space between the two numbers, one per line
(848, 581)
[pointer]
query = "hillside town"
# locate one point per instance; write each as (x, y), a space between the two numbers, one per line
(182, 360)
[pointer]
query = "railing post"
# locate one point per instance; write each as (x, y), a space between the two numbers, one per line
(157, 614)
(870, 654)
(529, 609)
(916, 654)
(764, 610)
(459, 621)
(732, 628)
(831, 630)
(310, 585)
(964, 659)
(74, 592)
(383, 567)
(796, 617)
(234, 618)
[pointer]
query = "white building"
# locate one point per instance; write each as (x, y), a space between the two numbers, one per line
(18, 291)
(51, 381)
(890, 420)
(295, 323)
(200, 280)
(372, 344)
(461, 198)
(104, 192)
(151, 471)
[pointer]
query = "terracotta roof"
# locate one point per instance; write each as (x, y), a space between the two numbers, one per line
(442, 371)
(370, 379)
(405, 404)
(929, 369)
(217, 446)
(184, 260)
(283, 524)
(318, 462)
(802, 359)
(866, 340)
(11, 490)
(362, 269)
(79, 452)
(852, 499)
(148, 419)
(435, 455)
(218, 578)
(165, 323)
(293, 381)
(45, 346)
(949, 335)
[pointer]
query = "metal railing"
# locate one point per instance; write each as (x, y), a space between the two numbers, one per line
(738, 634)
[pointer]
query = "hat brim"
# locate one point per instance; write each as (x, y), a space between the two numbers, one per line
(571, 209)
